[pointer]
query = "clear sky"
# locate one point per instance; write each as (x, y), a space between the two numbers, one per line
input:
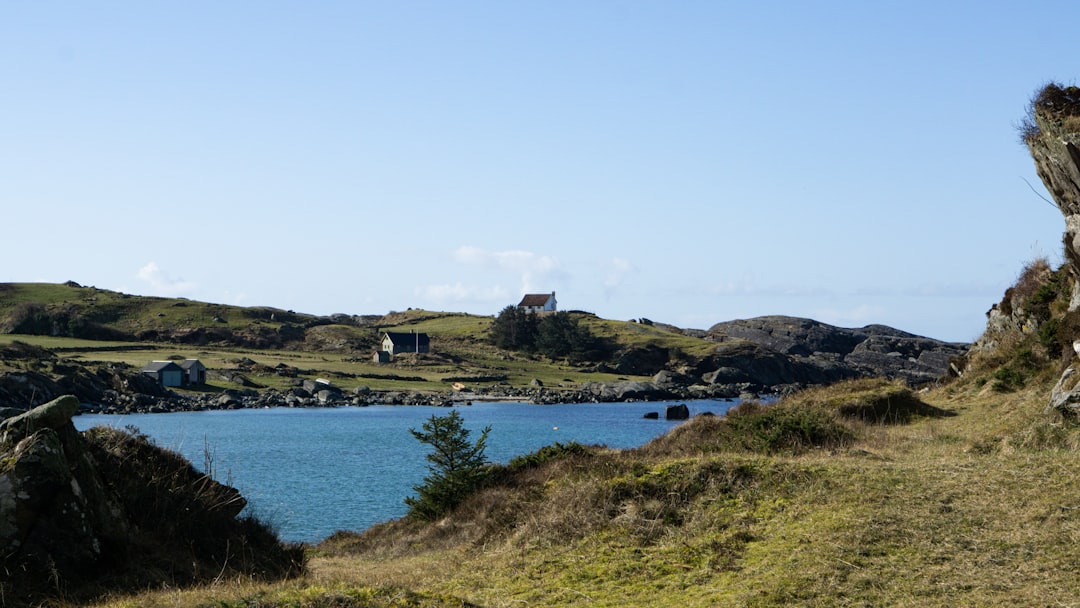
(690, 162)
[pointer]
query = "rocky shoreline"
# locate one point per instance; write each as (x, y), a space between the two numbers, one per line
(322, 394)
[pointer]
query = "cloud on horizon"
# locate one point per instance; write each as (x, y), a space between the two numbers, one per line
(459, 292)
(616, 271)
(534, 271)
(162, 283)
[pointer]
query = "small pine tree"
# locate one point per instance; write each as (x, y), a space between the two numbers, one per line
(457, 467)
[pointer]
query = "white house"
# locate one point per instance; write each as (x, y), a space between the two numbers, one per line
(538, 302)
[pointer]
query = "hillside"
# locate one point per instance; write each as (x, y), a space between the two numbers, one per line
(95, 341)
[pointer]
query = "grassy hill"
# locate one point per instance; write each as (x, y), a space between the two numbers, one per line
(864, 493)
(91, 325)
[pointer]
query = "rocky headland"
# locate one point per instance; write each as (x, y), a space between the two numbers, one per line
(106, 509)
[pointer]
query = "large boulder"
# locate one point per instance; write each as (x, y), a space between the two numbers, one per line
(624, 391)
(677, 412)
(85, 513)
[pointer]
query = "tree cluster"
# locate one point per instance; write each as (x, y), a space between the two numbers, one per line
(556, 335)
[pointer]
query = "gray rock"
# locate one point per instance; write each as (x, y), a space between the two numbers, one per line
(55, 414)
(677, 412)
(1065, 397)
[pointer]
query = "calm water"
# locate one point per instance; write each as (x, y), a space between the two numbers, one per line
(311, 472)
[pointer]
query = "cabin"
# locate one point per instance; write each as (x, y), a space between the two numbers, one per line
(396, 343)
(380, 356)
(194, 371)
(538, 302)
(166, 373)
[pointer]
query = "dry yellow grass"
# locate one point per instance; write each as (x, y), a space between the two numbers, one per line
(977, 508)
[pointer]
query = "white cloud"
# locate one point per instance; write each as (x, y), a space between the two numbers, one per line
(535, 271)
(162, 283)
(616, 271)
(458, 292)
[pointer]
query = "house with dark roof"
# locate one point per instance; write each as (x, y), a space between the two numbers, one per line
(395, 342)
(538, 302)
(166, 373)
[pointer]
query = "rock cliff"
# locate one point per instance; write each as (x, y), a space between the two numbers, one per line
(1051, 132)
(86, 513)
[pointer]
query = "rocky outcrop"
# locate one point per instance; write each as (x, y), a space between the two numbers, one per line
(1052, 134)
(819, 353)
(85, 513)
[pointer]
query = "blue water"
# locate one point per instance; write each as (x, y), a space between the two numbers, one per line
(310, 472)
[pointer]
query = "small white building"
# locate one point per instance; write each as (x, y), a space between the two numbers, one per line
(538, 302)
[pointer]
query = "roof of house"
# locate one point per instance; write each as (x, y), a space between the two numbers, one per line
(401, 337)
(190, 363)
(160, 366)
(536, 299)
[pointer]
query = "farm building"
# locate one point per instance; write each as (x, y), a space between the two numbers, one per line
(194, 371)
(166, 373)
(396, 343)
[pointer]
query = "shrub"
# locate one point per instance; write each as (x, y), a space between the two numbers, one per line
(1053, 100)
(753, 427)
(548, 453)
(778, 428)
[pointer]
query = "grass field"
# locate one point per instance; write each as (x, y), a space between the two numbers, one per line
(465, 358)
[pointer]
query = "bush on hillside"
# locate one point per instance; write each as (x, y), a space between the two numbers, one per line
(753, 427)
(1032, 331)
(548, 453)
(872, 400)
(773, 429)
(1052, 100)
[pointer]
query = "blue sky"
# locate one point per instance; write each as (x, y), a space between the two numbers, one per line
(689, 162)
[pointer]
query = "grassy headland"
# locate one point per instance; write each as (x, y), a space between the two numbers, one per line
(967, 499)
